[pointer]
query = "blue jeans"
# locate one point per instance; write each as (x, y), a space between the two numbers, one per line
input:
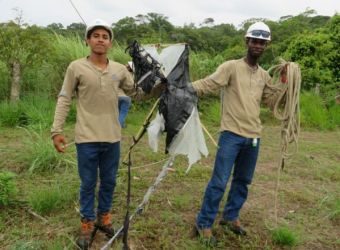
(124, 103)
(234, 150)
(91, 157)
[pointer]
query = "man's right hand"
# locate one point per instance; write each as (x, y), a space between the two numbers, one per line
(59, 143)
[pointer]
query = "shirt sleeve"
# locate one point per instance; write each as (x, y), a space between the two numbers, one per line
(215, 81)
(64, 101)
(127, 85)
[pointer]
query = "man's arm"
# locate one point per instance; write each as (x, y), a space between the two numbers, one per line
(215, 81)
(62, 108)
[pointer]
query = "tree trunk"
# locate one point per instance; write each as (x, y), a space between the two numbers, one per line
(317, 89)
(15, 86)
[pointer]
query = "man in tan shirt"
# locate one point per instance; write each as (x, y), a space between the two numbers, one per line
(94, 81)
(244, 84)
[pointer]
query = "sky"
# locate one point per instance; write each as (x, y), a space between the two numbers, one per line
(179, 12)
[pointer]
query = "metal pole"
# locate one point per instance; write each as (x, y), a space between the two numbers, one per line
(146, 199)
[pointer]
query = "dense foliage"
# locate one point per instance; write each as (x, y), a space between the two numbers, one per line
(43, 53)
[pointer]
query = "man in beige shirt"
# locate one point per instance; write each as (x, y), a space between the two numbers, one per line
(244, 85)
(94, 81)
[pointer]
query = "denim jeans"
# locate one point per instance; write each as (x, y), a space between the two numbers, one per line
(91, 157)
(234, 151)
(124, 103)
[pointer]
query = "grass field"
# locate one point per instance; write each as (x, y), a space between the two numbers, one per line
(44, 212)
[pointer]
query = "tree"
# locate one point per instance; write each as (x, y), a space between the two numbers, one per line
(334, 31)
(125, 29)
(141, 19)
(77, 28)
(24, 46)
(160, 24)
(312, 52)
(55, 26)
(208, 22)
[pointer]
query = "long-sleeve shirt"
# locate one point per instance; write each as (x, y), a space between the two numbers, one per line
(243, 89)
(96, 93)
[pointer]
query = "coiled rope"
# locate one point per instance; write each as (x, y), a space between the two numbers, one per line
(287, 110)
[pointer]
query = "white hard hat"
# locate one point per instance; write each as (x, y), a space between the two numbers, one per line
(259, 30)
(96, 24)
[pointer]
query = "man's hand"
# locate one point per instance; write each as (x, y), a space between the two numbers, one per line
(129, 67)
(283, 74)
(59, 143)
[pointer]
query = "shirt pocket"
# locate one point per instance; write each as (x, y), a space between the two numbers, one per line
(112, 84)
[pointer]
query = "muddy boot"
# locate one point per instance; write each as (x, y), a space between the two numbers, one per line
(104, 224)
(86, 234)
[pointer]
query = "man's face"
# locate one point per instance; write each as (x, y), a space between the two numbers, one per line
(99, 41)
(256, 46)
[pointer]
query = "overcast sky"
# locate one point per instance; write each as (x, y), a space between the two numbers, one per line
(179, 12)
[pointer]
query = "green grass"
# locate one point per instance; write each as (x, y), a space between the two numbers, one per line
(26, 245)
(39, 154)
(284, 236)
(11, 115)
(8, 188)
(307, 194)
(314, 113)
(334, 210)
(47, 198)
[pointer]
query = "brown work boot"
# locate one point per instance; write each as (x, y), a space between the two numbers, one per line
(234, 226)
(104, 224)
(86, 234)
(206, 237)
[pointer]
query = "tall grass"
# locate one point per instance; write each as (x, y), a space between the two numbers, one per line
(39, 154)
(11, 114)
(4, 81)
(117, 53)
(7, 188)
(202, 65)
(334, 112)
(315, 114)
(210, 109)
(70, 48)
(32, 111)
(45, 199)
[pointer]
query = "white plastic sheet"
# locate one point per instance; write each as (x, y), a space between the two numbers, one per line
(189, 141)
